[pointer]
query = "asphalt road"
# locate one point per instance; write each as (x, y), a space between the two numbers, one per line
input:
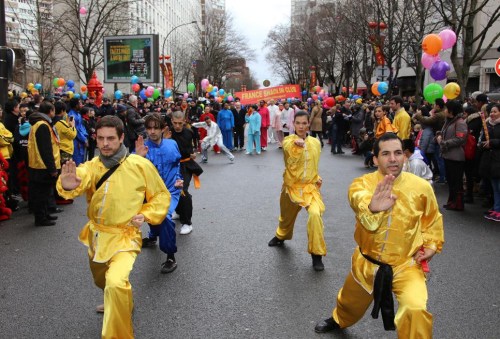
(229, 283)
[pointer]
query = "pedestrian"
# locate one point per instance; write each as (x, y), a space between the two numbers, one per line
(214, 137)
(254, 123)
(453, 136)
(317, 122)
(285, 119)
(164, 154)
(239, 114)
(271, 132)
(276, 125)
(402, 120)
(382, 122)
(135, 122)
(265, 123)
(414, 161)
(398, 227)
(123, 191)
(43, 164)
(225, 120)
(301, 188)
(189, 169)
(81, 141)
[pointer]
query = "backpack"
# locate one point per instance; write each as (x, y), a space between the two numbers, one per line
(470, 146)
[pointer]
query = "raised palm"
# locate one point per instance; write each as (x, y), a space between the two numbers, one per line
(383, 199)
(69, 180)
(140, 148)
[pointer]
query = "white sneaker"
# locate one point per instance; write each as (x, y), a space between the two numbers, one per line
(186, 229)
(175, 216)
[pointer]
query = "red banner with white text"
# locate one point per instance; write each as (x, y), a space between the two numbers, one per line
(275, 93)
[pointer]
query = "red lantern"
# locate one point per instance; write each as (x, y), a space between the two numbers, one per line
(382, 25)
(372, 24)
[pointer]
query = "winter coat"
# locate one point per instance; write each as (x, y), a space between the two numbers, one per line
(316, 119)
(454, 136)
(489, 165)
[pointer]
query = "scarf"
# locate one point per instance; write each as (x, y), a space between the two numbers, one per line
(116, 158)
(493, 122)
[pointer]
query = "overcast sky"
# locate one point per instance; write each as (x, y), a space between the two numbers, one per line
(254, 19)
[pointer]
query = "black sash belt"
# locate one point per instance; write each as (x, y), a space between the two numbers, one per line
(382, 293)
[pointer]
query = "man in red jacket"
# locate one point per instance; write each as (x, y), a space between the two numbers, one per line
(265, 123)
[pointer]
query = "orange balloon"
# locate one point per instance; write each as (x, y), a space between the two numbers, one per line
(375, 89)
(61, 82)
(432, 44)
(83, 89)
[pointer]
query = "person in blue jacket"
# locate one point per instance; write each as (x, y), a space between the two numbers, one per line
(225, 120)
(253, 119)
(81, 141)
(165, 156)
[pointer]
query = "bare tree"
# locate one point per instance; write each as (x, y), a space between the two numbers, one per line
(460, 16)
(182, 58)
(220, 43)
(42, 37)
(83, 34)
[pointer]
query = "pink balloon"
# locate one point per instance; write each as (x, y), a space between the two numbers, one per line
(445, 99)
(429, 60)
(83, 10)
(448, 37)
(150, 89)
(230, 98)
(186, 95)
(204, 83)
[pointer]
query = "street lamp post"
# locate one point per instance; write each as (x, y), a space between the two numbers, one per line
(163, 50)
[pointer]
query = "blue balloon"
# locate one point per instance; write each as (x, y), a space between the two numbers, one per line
(355, 96)
(213, 93)
(118, 95)
(76, 96)
(70, 83)
(142, 94)
(221, 92)
(134, 79)
(71, 89)
(38, 86)
(168, 93)
(84, 96)
(216, 89)
(304, 92)
(383, 87)
(289, 100)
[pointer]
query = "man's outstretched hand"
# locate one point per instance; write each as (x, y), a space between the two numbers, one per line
(140, 148)
(69, 180)
(383, 199)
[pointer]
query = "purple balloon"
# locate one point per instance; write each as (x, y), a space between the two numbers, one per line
(429, 60)
(439, 69)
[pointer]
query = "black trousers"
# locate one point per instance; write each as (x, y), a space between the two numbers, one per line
(185, 206)
(39, 197)
(239, 136)
(455, 176)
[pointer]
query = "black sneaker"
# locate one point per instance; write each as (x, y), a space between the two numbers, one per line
(326, 325)
(317, 262)
(51, 217)
(276, 242)
(148, 242)
(168, 266)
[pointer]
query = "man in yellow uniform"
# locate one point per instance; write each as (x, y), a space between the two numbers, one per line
(402, 120)
(301, 184)
(118, 203)
(398, 227)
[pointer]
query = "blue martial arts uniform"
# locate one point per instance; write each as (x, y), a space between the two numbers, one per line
(81, 138)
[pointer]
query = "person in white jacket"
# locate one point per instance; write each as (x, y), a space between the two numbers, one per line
(271, 132)
(287, 119)
(214, 137)
(414, 161)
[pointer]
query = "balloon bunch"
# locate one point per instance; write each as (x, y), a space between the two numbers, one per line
(68, 87)
(432, 45)
(210, 90)
(319, 94)
(33, 89)
(379, 88)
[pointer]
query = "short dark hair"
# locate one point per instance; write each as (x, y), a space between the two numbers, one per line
(409, 145)
(10, 105)
(439, 102)
(60, 107)
(45, 107)
(111, 121)
(454, 107)
(154, 120)
(385, 137)
(73, 102)
(398, 100)
(482, 98)
(301, 114)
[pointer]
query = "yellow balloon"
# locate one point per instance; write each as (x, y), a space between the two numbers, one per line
(70, 94)
(451, 90)
(23, 95)
(210, 88)
(11, 95)
(31, 85)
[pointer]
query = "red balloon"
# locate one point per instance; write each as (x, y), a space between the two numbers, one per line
(344, 89)
(315, 97)
(136, 87)
(330, 102)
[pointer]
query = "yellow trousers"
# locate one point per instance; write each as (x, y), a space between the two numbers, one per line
(113, 278)
(412, 319)
(288, 213)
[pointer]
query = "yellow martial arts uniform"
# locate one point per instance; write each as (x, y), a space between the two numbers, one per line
(113, 242)
(392, 237)
(402, 123)
(300, 190)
